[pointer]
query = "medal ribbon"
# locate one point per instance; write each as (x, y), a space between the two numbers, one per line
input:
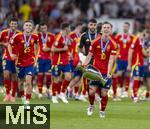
(9, 34)
(103, 48)
(44, 40)
(125, 40)
(27, 42)
(91, 37)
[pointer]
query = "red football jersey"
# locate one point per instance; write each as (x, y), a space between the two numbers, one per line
(60, 58)
(25, 49)
(5, 37)
(137, 57)
(48, 40)
(74, 47)
(124, 42)
(101, 59)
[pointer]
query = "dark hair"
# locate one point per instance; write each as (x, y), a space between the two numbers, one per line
(93, 20)
(42, 23)
(30, 21)
(99, 27)
(106, 22)
(127, 23)
(13, 19)
(79, 24)
(64, 25)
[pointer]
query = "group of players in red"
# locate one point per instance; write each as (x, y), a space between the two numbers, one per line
(56, 58)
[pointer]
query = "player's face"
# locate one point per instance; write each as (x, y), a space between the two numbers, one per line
(80, 28)
(43, 28)
(106, 29)
(67, 29)
(92, 27)
(146, 34)
(125, 28)
(28, 26)
(13, 25)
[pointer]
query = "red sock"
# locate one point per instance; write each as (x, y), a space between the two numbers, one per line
(7, 84)
(114, 86)
(136, 85)
(120, 81)
(76, 89)
(147, 94)
(48, 80)
(40, 82)
(28, 96)
(91, 99)
(104, 102)
(22, 93)
(14, 88)
(127, 83)
(54, 88)
(64, 85)
(59, 87)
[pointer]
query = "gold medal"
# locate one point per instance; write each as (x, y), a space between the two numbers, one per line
(44, 45)
(124, 45)
(103, 56)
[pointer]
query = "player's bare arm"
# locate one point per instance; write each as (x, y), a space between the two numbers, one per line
(130, 54)
(54, 49)
(13, 56)
(110, 65)
(46, 48)
(88, 58)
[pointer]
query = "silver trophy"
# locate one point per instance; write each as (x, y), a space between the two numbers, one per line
(91, 73)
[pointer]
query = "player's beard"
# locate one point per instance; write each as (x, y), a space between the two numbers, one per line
(125, 31)
(92, 30)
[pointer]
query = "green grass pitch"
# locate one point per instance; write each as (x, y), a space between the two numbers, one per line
(119, 115)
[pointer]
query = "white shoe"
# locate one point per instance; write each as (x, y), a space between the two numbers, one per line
(82, 98)
(26, 104)
(40, 95)
(90, 110)
(48, 94)
(63, 97)
(124, 94)
(76, 97)
(147, 99)
(135, 100)
(116, 99)
(54, 99)
(102, 114)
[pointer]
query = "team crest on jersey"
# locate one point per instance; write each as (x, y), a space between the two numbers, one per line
(87, 40)
(98, 46)
(108, 47)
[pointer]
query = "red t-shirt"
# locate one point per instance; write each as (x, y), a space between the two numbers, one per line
(137, 57)
(100, 60)
(60, 58)
(5, 37)
(25, 53)
(74, 47)
(49, 40)
(124, 42)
